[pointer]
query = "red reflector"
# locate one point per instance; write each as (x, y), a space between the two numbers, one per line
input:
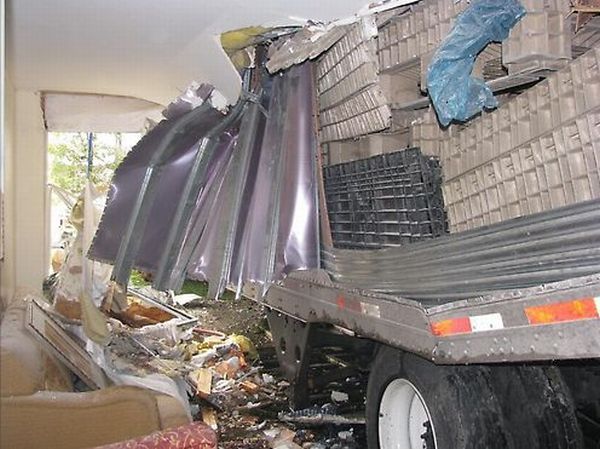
(451, 327)
(348, 304)
(579, 309)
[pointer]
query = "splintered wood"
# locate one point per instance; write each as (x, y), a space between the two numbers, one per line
(249, 387)
(203, 380)
(209, 416)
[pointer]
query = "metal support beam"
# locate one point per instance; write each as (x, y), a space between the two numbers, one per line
(90, 155)
(132, 238)
(292, 344)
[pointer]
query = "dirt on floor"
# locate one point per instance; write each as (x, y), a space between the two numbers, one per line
(233, 316)
(254, 418)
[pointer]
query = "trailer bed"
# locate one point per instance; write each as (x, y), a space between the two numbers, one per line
(559, 320)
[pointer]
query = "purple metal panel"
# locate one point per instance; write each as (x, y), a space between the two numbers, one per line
(285, 166)
(298, 242)
(279, 195)
(250, 253)
(204, 211)
(203, 252)
(127, 182)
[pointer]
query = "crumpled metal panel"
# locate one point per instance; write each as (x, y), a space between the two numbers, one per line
(546, 247)
(256, 216)
(298, 239)
(127, 182)
(251, 263)
(277, 226)
(227, 217)
(200, 230)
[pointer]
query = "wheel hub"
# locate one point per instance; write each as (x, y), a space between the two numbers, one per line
(404, 420)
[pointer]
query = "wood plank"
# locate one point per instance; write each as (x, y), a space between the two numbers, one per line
(249, 387)
(203, 380)
(209, 417)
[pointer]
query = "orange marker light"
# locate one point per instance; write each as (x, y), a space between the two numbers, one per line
(579, 309)
(452, 326)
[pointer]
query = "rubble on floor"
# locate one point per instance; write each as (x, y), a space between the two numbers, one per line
(218, 354)
(223, 353)
(249, 397)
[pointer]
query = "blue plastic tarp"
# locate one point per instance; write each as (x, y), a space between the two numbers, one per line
(455, 94)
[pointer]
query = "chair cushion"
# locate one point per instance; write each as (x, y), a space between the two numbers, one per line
(24, 367)
(58, 420)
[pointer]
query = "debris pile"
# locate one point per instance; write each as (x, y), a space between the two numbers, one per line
(216, 356)
(233, 386)
(248, 400)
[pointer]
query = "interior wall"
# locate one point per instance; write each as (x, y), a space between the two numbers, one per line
(30, 193)
(26, 224)
(7, 265)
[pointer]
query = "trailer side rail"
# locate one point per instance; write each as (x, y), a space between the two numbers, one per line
(550, 322)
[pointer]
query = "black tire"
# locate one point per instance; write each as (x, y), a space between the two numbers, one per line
(537, 407)
(481, 407)
(464, 410)
(583, 380)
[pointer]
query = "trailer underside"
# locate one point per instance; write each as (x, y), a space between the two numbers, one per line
(554, 321)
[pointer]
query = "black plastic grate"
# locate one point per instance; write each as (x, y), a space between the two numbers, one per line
(390, 199)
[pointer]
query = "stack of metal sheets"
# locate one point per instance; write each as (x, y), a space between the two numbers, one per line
(547, 247)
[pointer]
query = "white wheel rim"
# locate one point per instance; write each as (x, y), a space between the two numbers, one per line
(403, 416)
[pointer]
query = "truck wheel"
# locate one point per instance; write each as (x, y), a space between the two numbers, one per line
(414, 404)
(537, 407)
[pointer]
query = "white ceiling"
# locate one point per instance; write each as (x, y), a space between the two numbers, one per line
(149, 49)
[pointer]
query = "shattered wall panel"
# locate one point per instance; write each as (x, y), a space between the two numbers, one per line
(308, 43)
(351, 102)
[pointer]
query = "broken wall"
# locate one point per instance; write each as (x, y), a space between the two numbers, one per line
(26, 225)
(7, 264)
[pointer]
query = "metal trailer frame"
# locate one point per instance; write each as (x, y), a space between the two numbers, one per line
(492, 329)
